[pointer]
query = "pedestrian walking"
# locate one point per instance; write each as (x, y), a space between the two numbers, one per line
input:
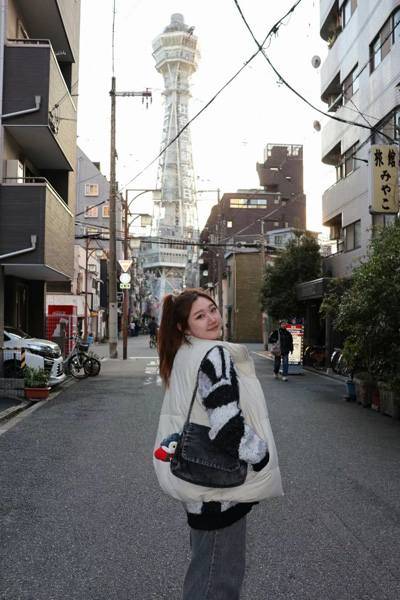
(153, 327)
(286, 345)
(132, 328)
(230, 403)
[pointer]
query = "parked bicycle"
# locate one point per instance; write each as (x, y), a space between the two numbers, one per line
(80, 363)
(314, 356)
(336, 354)
(317, 357)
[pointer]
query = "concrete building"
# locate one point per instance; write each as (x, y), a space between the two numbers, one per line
(39, 51)
(257, 220)
(242, 307)
(360, 84)
(282, 173)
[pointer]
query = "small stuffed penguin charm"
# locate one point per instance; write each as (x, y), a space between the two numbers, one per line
(167, 448)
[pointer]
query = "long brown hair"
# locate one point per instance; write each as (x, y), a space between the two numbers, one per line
(176, 309)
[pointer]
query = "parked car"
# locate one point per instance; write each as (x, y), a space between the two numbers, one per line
(38, 353)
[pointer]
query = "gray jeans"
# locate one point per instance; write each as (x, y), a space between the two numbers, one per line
(217, 567)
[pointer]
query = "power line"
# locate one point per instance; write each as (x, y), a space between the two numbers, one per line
(261, 49)
(191, 120)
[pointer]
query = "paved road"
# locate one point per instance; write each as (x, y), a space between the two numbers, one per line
(82, 517)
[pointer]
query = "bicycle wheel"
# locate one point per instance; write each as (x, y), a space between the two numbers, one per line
(343, 367)
(307, 355)
(92, 366)
(76, 365)
(318, 360)
(335, 361)
(13, 370)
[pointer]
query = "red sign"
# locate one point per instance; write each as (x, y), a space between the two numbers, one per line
(66, 313)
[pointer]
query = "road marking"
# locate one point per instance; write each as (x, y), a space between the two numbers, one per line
(152, 367)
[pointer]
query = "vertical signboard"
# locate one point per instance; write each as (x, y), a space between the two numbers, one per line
(295, 359)
(68, 315)
(384, 179)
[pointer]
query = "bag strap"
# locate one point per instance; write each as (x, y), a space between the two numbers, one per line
(193, 398)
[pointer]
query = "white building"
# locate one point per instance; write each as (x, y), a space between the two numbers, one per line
(360, 82)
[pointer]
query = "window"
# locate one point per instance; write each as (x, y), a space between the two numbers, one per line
(278, 239)
(229, 224)
(106, 212)
(350, 84)
(91, 212)
(248, 203)
(396, 24)
(237, 203)
(352, 236)
(91, 189)
(347, 163)
(388, 129)
(385, 39)
(348, 8)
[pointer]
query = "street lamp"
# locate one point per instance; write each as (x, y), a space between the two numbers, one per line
(99, 252)
(126, 233)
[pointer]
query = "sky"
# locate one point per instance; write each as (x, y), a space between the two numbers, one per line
(229, 136)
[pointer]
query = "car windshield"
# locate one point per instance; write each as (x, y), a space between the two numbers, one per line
(17, 332)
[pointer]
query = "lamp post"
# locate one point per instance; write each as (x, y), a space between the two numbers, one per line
(126, 234)
(87, 256)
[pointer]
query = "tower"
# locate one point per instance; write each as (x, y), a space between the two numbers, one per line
(174, 261)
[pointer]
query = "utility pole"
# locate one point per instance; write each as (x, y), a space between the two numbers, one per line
(112, 266)
(126, 235)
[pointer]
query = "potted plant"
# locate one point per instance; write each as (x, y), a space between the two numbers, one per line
(389, 393)
(36, 383)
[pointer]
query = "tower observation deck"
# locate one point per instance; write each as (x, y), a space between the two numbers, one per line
(175, 221)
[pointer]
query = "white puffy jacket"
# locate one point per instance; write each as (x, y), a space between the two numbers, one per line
(258, 486)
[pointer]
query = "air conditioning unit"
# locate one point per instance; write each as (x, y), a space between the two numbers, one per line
(14, 171)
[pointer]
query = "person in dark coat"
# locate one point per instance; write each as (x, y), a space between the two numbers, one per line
(286, 347)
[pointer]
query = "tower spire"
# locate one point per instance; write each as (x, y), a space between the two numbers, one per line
(176, 54)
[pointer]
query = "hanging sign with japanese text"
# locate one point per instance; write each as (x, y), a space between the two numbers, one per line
(384, 180)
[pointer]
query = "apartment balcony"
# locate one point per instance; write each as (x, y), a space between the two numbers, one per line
(34, 208)
(59, 24)
(47, 134)
(345, 193)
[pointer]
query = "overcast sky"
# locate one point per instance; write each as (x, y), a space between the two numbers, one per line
(229, 137)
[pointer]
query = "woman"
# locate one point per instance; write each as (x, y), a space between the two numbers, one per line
(227, 385)
(286, 344)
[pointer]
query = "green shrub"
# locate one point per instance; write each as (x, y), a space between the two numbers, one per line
(36, 377)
